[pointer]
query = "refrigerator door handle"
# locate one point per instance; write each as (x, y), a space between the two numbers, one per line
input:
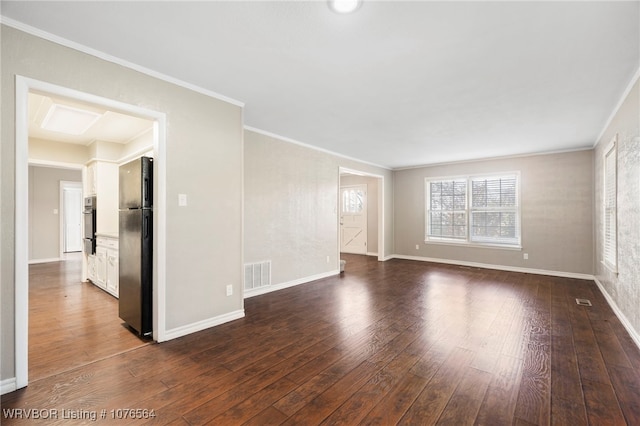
(147, 190)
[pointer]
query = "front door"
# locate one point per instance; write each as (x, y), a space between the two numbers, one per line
(353, 219)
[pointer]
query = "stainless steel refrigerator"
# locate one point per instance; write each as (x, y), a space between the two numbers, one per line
(136, 244)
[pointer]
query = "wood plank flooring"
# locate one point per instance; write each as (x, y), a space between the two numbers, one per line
(71, 323)
(398, 342)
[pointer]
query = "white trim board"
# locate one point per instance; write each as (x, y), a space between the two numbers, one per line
(315, 148)
(113, 59)
(635, 336)
(49, 260)
(8, 385)
(623, 97)
(22, 87)
(497, 267)
(203, 325)
(275, 287)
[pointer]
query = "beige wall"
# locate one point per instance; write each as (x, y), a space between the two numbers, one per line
(203, 160)
(44, 197)
(623, 289)
(372, 207)
(57, 152)
(556, 211)
(291, 207)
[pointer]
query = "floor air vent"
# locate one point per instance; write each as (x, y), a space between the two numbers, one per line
(257, 275)
(583, 302)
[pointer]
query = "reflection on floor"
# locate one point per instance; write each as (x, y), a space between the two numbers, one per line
(71, 323)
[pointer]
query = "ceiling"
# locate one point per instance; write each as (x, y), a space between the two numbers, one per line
(111, 126)
(396, 84)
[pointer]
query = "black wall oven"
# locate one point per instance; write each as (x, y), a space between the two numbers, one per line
(89, 214)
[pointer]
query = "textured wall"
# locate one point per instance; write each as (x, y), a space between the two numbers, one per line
(291, 207)
(556, 207)
(623, 288)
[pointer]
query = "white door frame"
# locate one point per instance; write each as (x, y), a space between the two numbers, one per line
(380, 207)
(21, 313)
(64, 184)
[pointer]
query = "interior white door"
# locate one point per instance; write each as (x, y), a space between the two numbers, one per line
(72, 219)
(353, 219)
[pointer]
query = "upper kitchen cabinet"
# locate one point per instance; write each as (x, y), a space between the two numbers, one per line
(102, 181)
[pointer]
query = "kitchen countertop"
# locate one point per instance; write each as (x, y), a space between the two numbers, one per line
(107, 234)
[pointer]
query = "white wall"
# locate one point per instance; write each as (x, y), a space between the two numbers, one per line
(622, 289)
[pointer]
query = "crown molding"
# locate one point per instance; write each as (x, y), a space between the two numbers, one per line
(113, 59)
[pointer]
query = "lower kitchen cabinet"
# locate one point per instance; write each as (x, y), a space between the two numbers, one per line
(91, 267)
(106, 265)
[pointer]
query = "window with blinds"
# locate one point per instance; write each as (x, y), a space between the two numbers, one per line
(610, 250)
(447, 209)
(494, 210)
(474, 210)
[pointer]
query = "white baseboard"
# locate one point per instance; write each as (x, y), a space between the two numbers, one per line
(635, 336)
(8, 385)
(52, 259)
(391, 256)
(275, 287)
(371, 253)
(202, 325)
(498, 267)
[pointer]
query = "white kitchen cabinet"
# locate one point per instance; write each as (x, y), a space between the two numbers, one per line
(91, 267)
(90, 184)
(112, 272)
(106, 264)
(102, 181)
(101, 267)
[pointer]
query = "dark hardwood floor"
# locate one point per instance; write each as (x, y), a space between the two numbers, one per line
(398, 342)
(71, 323)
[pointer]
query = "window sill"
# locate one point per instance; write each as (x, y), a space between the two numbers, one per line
(609, 267)
(476, 245)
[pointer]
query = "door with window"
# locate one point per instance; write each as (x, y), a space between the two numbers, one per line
(353, 219)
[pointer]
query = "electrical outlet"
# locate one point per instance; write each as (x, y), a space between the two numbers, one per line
(526, 256)
(417, 246)
(229, 290)
(182, 200)
(328, 259)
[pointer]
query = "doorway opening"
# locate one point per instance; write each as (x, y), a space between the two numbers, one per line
(70, 217)
(30, 154)
(361, 213)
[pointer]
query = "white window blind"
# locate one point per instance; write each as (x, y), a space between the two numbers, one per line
(474, 210)
(610, 251)
(447, 209)
(494, 210)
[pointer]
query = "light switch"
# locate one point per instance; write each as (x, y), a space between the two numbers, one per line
(182, 200)
(55, 211)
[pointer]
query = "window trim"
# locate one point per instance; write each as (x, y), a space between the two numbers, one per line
(612, 148)
(467, 242)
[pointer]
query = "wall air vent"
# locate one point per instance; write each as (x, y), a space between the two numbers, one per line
(583, 302)
(257, 275)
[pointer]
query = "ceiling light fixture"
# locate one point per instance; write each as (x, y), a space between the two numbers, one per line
(69, 120)
(344, 6)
